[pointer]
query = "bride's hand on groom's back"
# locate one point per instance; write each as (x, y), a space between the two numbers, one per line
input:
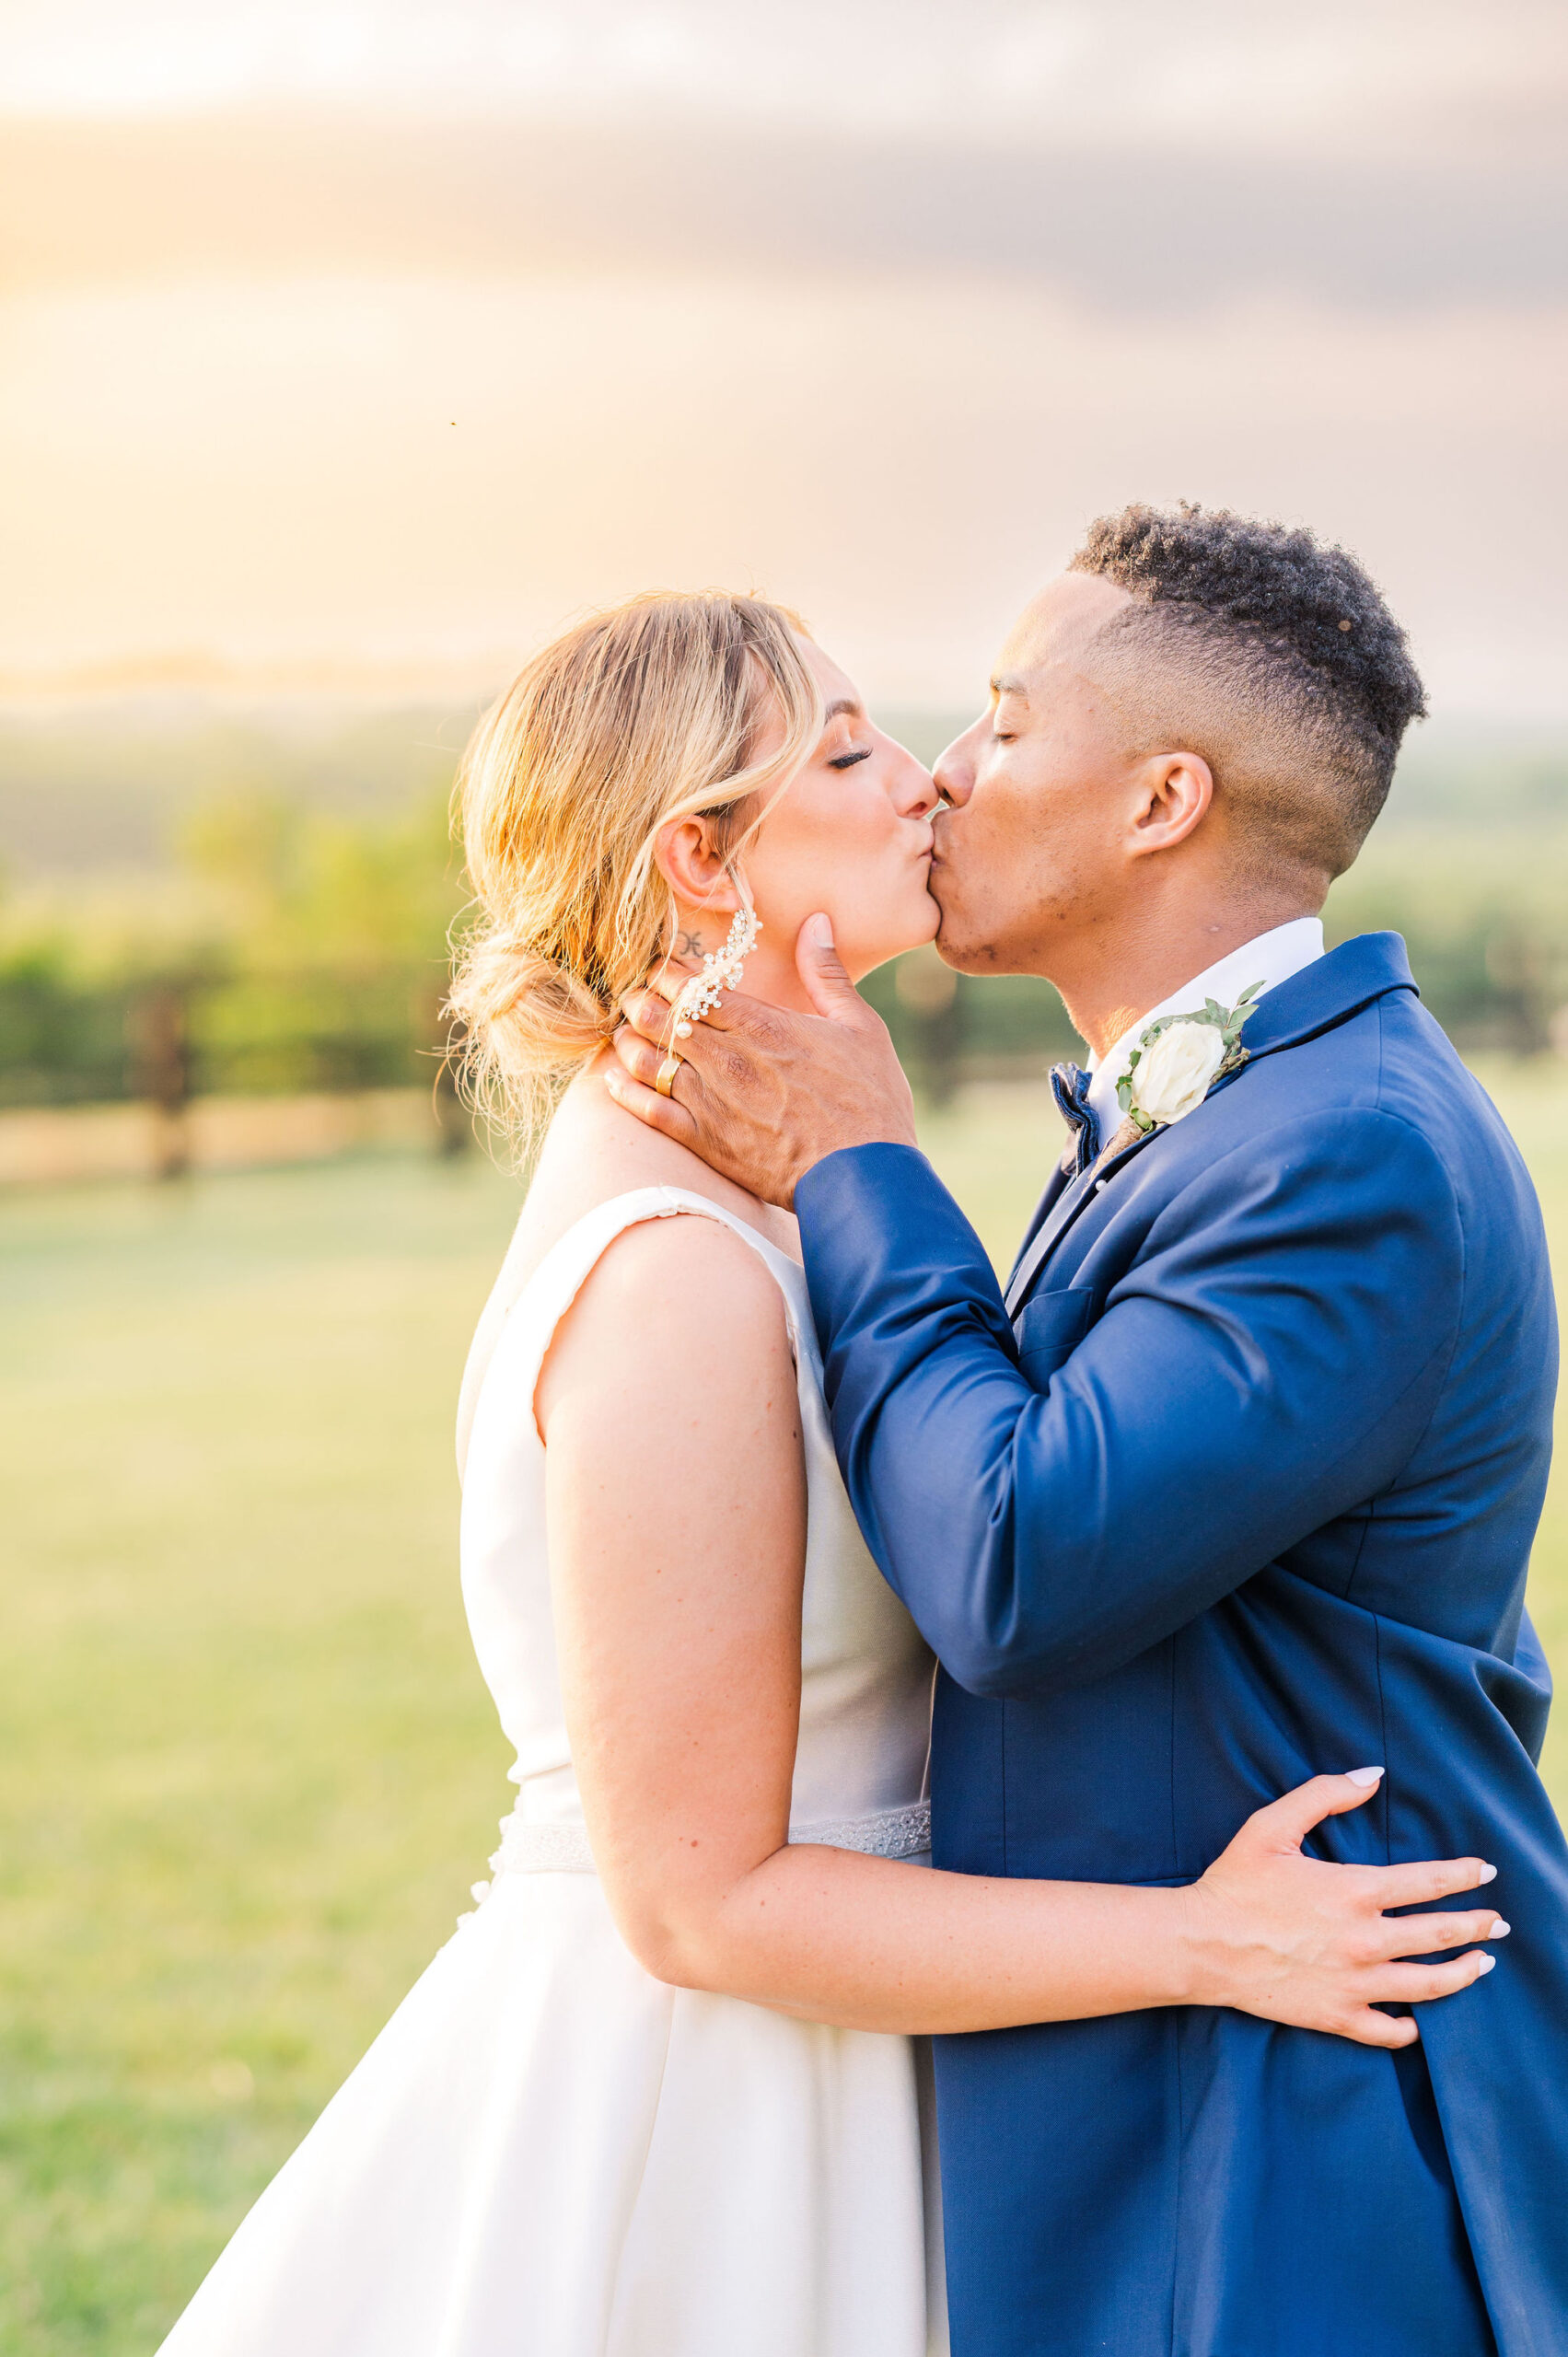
(763, 1094)
(1293, 1939)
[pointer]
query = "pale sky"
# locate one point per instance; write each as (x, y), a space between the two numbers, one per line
(398, 333)
(1253, 72)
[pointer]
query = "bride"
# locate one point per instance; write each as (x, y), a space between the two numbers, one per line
(663, 2093)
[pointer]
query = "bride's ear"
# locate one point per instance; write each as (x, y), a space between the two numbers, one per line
(695, 872)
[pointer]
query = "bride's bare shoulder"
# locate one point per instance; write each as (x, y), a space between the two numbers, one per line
(595, 1152)
(685, 1294)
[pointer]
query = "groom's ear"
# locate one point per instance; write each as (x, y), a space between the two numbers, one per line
(1174, 792)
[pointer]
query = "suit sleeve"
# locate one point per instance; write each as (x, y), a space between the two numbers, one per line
(1269, 1361)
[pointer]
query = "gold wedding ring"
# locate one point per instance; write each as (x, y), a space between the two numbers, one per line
(664, 1084)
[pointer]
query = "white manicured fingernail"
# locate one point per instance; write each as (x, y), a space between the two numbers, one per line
(1488, 1873)
(1365, 1777)
(1501, 1929)
(1489, 1964)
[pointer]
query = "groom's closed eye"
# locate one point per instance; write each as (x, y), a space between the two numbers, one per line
(1009, 711)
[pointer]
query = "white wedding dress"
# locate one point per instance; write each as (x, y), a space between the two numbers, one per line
(547, 2152)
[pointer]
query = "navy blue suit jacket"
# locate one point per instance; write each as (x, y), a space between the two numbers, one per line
(1244, 1492)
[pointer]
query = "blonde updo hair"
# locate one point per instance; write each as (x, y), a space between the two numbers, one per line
(649, 712)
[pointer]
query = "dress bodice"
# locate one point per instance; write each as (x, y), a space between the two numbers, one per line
(866, 1672)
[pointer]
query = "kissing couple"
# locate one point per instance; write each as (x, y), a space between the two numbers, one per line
(1041, 1727)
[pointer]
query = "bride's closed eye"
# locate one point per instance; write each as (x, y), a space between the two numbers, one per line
(848, 760)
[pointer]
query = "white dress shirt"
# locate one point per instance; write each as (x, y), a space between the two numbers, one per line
(1272, 958)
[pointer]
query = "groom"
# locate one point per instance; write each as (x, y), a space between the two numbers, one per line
(1239, 1484)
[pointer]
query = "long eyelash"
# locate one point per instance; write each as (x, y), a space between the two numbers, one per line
(848, 760)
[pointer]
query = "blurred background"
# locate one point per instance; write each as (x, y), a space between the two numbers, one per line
(348, 350)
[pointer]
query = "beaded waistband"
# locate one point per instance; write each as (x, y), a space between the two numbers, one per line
(563, 1849)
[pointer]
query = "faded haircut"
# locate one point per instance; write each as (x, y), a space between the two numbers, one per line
(1272, 656)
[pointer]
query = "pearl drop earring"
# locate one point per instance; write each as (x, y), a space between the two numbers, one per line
(722, 971)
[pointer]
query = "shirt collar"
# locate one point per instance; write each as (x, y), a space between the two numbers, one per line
(1273, 957)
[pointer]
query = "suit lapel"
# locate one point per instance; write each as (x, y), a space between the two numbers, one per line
(1028, 1265)
(1064, 1210)
(1323, 994)
(1055, 1187)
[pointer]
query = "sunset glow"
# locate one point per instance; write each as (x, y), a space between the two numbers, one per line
(390, 334)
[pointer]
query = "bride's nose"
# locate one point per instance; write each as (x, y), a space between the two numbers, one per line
(913, 788)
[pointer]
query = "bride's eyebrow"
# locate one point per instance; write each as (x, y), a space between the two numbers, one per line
(844, 704)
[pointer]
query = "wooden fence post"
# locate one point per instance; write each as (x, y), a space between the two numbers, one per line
(158, 1035)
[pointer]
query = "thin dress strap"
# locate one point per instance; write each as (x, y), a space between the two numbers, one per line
(544, 1295)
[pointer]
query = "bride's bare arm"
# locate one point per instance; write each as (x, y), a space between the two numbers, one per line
(677, 1515)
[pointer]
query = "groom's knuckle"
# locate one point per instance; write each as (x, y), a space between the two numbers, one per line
(751, 1019)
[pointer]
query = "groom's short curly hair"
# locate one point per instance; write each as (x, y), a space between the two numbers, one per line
(1276, 656)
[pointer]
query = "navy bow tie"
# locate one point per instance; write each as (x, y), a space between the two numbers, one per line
(1070, 1086)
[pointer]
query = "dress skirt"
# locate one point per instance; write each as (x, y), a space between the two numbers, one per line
(549, 2154)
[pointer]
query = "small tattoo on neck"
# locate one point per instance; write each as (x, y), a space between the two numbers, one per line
(689, 945)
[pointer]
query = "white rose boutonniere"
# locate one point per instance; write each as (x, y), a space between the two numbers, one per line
(1179, 1059)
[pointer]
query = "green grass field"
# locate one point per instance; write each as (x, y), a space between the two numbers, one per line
(248, 1769)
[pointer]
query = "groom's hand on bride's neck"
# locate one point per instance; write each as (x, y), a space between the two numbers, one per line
(763, 1094)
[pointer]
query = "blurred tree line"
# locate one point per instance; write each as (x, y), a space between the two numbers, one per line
(293, 948)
